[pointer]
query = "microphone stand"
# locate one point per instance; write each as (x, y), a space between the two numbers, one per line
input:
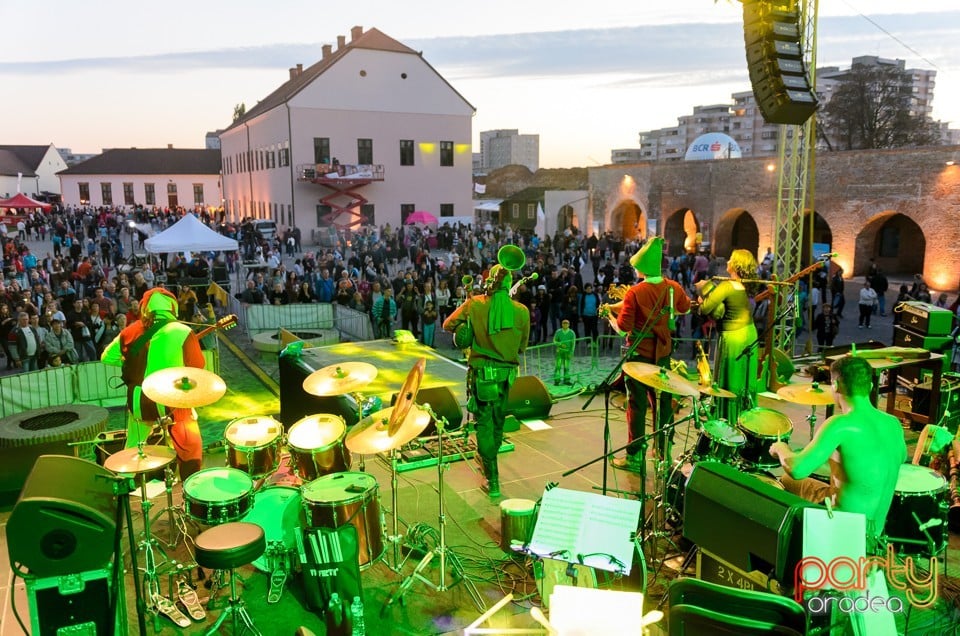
(607, 386)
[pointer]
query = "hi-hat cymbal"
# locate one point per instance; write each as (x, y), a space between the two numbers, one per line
(715, 391)
(184, 387)
(407, 395)
(136, 460)
(660, 379)
(808, 394)
(372, 433)
(339, 379)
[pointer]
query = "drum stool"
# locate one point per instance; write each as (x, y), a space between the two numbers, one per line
(226, 547)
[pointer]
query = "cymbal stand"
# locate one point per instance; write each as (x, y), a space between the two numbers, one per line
(176, 518)
(445, 553)
(359, 399)
(396, 538)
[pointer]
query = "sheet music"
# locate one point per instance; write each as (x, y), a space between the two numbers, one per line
(573, 524)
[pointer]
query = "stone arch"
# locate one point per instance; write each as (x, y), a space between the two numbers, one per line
(675, 232)
(628, 220)
(821, 234)
(895, 241)
(567, 217)
(736, 229)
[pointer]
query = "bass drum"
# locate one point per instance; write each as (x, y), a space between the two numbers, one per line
(351, 498)
(277, 511)
(920, 491)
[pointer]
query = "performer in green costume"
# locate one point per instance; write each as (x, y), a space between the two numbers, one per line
(564, 340)
(500, 331)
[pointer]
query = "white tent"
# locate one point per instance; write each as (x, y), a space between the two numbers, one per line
(189, 235)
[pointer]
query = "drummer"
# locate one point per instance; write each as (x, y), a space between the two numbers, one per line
(645, 314)
(158, 341)
(865, 448)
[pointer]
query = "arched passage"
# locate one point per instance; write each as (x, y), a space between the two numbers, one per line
(567, 217)
(894, 241)
(736, 230)
(680, 232)
(822, 234)
(628, 220)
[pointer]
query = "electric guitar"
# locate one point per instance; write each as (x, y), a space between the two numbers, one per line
(703, 366)
(226, 323)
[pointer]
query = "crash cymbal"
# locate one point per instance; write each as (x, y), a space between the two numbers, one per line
(715, 391)
(372, 433)
(184, 387)
(407, 395)
(660, 379)
(140, 460)
(808, 394)
(339, 379)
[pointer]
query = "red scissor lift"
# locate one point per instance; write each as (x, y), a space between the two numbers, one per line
(344, 181)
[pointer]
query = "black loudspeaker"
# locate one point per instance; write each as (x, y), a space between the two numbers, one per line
(949, 400)
(743, 520)
(295, 403)
(443, 402)
(529, 399)
(65, 519)
(773, 35)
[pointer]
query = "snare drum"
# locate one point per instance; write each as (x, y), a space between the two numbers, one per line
(277, 511)
(762, 428)
(919, 491)
(719, 442)
(217, 495)
(253, 444)
(316, 446)
(351, 498)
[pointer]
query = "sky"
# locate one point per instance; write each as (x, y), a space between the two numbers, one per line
(585, 76)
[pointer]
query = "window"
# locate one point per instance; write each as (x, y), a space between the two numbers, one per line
(198, 193)
(515, 210)
(128, 194)
(149, 194)
(364, 152)
(531, 211)
(84, 189)
(406, 209)
(368, 214)
(323, 211)
(284, 157)
(446, 209)
(172, 189)
(321, 150)
(106, 194)
(406, 152)
(446, 153)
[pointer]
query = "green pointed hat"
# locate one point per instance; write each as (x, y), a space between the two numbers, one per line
(649, 258)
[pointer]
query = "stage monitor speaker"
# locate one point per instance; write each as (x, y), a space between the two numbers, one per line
(443, 402)
(529, 399)
(295, 403)
(773, 35)
(65, 519)
(743, 520)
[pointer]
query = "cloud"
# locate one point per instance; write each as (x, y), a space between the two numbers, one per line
(675, 53)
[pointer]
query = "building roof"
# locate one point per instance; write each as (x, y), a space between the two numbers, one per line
(528, 194)
(24, 159)
(373, 39)
(149, 161)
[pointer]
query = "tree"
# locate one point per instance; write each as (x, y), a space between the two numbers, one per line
(239, 111)
(870, 109)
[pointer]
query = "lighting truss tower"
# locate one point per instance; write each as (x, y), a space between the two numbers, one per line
(797, 149)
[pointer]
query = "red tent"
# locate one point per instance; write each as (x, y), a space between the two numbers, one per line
(23, 202)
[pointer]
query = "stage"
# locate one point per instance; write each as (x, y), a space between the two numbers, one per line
(541, 456)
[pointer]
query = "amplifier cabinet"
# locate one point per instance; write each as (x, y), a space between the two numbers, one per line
(923, 318)
(907, 338)
(75, 604)
(949, 398)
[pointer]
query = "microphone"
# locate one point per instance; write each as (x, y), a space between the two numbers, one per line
(829, 255)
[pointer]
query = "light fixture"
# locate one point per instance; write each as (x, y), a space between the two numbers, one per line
(771, 167)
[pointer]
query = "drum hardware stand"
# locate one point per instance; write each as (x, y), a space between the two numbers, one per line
(122, 487)
(176, 518)
(445, 553)
(359, 399)
(396, 538)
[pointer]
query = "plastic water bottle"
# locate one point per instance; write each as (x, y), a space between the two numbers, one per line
(356, 609)
(336, 619)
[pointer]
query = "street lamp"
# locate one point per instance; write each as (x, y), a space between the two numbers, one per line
(132, 226)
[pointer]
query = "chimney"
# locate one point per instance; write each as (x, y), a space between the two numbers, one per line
(341, 42)
(169, 146)
(293, 72)
(299, 69)
(327, 50)
(355, 33)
